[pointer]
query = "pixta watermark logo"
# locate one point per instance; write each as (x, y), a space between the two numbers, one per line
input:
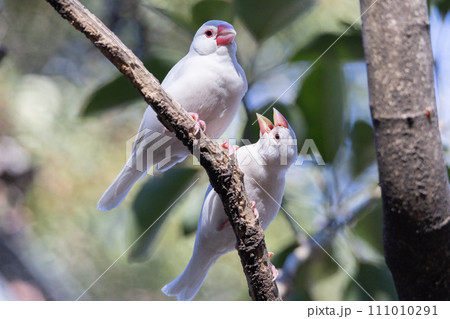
(148, 148)
(310, 153)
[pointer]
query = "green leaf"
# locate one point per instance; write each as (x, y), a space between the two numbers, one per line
(190, 215)
(280, 257)
(189, 222)
(207, 10)
(370, 225)
(152, 206)
(376, 280)
(348, 48)
(322, 100)
(363, 146)
(442, 5)
(322, 271)
(119, 91)
(176, 18)
(292, 114)
(302, 281)
(251, 130)
(264, 18)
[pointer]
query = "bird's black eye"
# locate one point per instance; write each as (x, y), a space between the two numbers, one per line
(277, 136)
(209, 33)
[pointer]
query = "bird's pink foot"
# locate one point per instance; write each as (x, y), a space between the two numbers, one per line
(199, 124)
(231, 148)
(255, 211)
(274, 270)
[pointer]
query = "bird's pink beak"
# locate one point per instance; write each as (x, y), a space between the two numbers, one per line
(279, 119)
(265, 125)
(225, 34)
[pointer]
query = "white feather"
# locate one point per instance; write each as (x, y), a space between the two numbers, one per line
(207, 81)
(264, 171)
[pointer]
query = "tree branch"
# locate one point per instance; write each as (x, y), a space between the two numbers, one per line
(413, 176)
(225, 177)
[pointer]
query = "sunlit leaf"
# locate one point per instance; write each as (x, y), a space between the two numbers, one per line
(152, 206)
(348, 48)
(325, 266)
(363, 251)
(207, 10)
(324, 273)
(264, 18)
(119, 91)
(322, 101)
(363, 146)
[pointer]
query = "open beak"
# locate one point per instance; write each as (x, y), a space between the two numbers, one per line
(265, 125)
(225, 34)
(279, 119)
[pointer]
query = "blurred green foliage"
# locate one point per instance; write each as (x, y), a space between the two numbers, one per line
(151, 209)
(346, 47)
(264, 18)
(361, 137)
(119, 91)
(442, 5)
(52, 78)
(324, 111)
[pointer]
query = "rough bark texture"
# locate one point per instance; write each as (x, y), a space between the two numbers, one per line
(225, 177)
(413, 177)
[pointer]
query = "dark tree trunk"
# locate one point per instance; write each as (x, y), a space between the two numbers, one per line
(413, 177)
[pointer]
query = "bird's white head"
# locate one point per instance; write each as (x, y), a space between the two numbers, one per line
(277, 141)
(214, 35)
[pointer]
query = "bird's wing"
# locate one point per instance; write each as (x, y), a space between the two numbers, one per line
(174, 73)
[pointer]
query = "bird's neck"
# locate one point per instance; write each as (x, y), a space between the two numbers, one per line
(256, 165)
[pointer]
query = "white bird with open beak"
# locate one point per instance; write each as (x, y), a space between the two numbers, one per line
(208, 83)
(264, 165)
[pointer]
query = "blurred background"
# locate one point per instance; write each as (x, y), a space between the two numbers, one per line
(66, 114)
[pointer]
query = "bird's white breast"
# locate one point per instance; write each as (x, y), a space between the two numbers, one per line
(264, 184)
(212, 86)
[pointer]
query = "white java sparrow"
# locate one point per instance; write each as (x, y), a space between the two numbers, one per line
(209, 83)
(264, 165)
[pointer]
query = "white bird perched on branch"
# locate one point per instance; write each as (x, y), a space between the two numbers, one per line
(208, 83)
(264, 165)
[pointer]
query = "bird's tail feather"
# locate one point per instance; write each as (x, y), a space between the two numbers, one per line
(147, 151)
(119, 189)
(162, 167)
(186, 285)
